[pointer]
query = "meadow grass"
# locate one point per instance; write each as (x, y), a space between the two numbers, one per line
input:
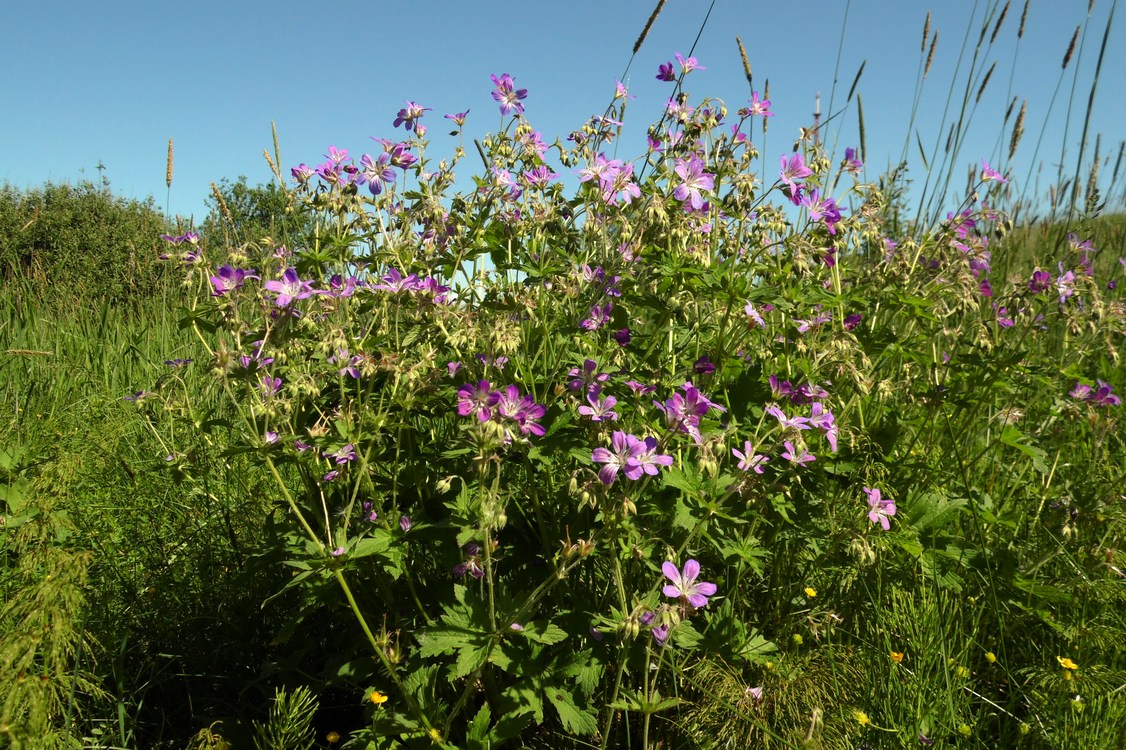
(336, 525)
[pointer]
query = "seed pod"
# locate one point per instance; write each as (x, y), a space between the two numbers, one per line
(926, 32)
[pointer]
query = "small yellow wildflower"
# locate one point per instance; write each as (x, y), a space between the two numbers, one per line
(965, 730)
(333, 737)
(897, 656)
(810, 592)
(962, 672)
(796, 639)
(435, 735)
(1067, 663)
(861, 718)
(377, 698)
(990, 657)
(1024, 727)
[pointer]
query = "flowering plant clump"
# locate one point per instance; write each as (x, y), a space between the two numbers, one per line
(489, 418)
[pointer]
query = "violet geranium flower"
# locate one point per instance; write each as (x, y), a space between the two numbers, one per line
(289, 288)
(227, 279)
(685, 586)
(694, 179)
(507, 95)
(748, 459)
(622, 449)
(881, 510)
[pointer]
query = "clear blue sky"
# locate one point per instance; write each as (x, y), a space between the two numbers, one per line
(112, 81)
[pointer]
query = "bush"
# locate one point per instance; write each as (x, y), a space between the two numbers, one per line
(76, 243)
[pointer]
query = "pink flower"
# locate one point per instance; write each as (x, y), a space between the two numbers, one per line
(881, 510)
(684, 586)
(989, 173)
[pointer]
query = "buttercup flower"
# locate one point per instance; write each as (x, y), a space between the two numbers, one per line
(685, 586)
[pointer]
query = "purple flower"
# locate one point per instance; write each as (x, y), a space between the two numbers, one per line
(137, 397)
(375, 172)
(227, 279)
(685, 586)
(787, 423)
(599, 316)
(301, 173)
(794, 168)
(689, 64)
(539, 176)
(342, 456)
(405, 523)
(623, 447)
(851, 162)
(191, 238)
(458, 119)
(646, 460)
(269, 387)
(703, 366)
(757, 106)
(178, 363)
(660, 634)
(822, 210)
(587, 378)
(1065, 284)
(620, 188)
(290, 288)
(988, 173)
(666, 72)
(794, 456)
(881, 510)
(694, 180)
(622, 336)
(748, 459)
(640, 388)
(477, 399)
(409, 115)
(331, 476)
(753, 315)
(396, 283)
(507, 95)
(852, 321)
(599, 409)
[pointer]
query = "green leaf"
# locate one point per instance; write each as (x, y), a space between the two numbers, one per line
(686, 636)
(575, 720)
(547, 633)
(470, 658)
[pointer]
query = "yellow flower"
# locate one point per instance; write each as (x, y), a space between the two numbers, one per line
(1067, 663)
(965, 730)
(810, 592)
(377, 697)
(333, 737)
(897, 656)
(861, 718)
(962, 672)
(990, 657)
(435, 735)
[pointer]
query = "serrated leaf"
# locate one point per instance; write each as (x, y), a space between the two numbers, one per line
(479, 728)
(575, 720)
(547, 633)
(686, 636)
(470, 657)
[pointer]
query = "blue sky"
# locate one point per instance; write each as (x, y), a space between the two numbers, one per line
(111, 82)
